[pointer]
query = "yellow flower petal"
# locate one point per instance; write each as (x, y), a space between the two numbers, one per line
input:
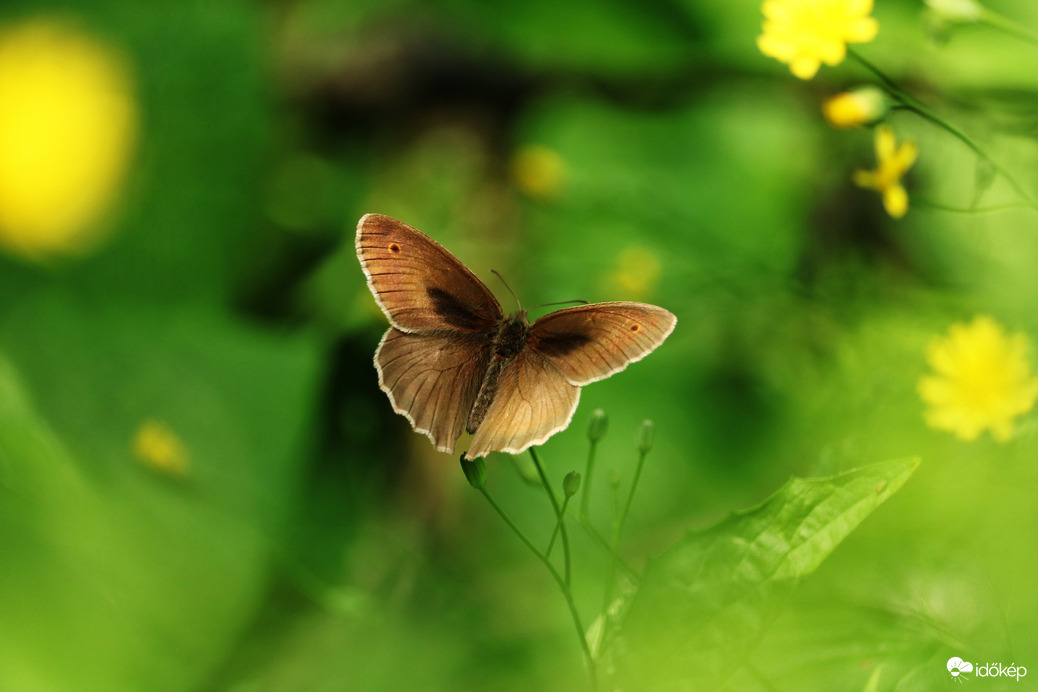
(885, 143)
(539, 171)
(863, 30)
(864, 179)
(156, 446)
(905, 156)
(67, 125)
(892, 163)
(805, 68)
(895, 201)
(983, 381)
(805, 34)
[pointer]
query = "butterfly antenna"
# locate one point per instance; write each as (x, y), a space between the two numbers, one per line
(502, 280)
(562, 302)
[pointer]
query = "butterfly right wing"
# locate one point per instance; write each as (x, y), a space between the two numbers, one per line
(432, 379)
(418, 284)
(533, 401)
(591, 342)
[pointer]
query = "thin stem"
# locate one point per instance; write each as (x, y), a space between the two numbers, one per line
(630, 498)
(585, 498)
(593, 532)
(618, 527)
(909, 102)
(558, 525)
(997, 21)
(607, 594)
(563, 586)
(976, 210)
(558, 511)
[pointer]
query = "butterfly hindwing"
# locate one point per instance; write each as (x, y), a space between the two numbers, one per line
(418, 283)
(591, 342)
(533, 401)
(432, 379)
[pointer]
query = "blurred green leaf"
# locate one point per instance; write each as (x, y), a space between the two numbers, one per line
(114, 575)
(703, 604)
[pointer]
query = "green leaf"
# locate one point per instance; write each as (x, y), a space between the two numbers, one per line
(114, 575)
(705, 603)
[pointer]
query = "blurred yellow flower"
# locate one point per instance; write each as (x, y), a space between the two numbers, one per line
(635, 274)
(67, 126)
(983, 380)
(856, 107)
(806, 33)
(156, 446)
(539, 171)
(892, 163)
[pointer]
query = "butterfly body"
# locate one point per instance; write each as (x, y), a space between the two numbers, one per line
(452, 361)
(508, 343)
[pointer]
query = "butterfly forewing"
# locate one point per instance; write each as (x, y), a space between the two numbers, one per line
(432, 379)
(591, 342)
(533, 402)
(417, 283)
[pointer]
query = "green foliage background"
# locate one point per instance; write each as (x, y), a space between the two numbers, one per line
(317, 543)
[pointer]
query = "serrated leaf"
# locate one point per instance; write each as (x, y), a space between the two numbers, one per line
(705, 603)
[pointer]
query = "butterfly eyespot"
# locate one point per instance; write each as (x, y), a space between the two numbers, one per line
(393, 247)
(636, 327)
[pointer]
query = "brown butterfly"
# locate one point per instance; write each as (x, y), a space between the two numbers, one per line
(452, 361)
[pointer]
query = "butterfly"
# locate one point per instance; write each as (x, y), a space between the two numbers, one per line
(453, 361)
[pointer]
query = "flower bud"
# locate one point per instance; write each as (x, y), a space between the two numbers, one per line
(597, 426)
(571, 483)
(475, 471)
(645, 436)
(956, 11)
(857, 107)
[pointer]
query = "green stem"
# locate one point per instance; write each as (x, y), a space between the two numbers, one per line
(618, 527)
(558, 525)
(593, 532)
(563, 586)
(997, 21)
(585, 498)
(978, 210)
(630, 498)
(911, 103)
(558, 512)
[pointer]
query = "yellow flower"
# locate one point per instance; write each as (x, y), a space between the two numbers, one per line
(806, 33)
(67, 125)
(539, 171)
(892, 163)
(855, 108)
(982, 380)
(636, 273)
(156, 446)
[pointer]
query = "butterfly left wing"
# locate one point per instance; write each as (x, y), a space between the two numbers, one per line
(432, 379)
(591, 342)
(533, 402)
(418, 283)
